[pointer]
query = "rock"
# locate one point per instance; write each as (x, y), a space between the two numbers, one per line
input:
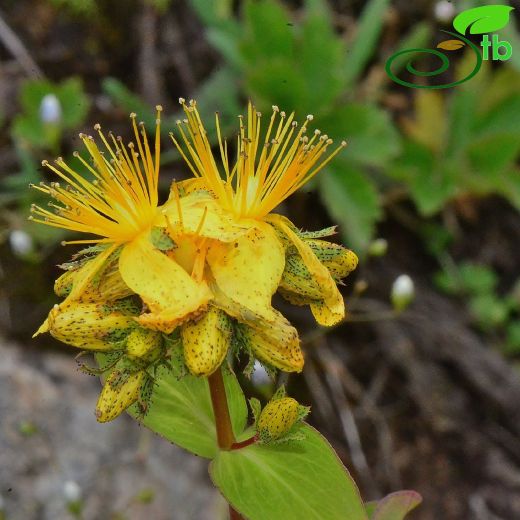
(49, 435)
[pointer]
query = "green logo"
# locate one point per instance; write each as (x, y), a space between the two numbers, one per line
(480, 20)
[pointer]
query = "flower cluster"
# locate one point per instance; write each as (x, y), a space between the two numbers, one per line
(197, 273)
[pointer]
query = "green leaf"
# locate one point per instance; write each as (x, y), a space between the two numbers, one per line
(74, 102)
(480, 20)
(491, 155)
(277, 81)
(181, 410)
(294, 480)
(513, 337)
(394, 506)
(213, 13)
(318, 43)
(503, 117)
(128, 101)
(431, 182)
(352, 199)
(268, 31)
(489, 311)
(371, 136)
(368, 30)
(477, 279)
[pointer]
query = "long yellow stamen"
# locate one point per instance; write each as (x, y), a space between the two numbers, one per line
(266, 171)
(119, 202)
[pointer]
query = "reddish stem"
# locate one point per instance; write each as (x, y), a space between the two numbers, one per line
(243, 444)
(225, 435)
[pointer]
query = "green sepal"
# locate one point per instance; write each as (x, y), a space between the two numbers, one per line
(161, 240)
(256, 408)
(326, 232)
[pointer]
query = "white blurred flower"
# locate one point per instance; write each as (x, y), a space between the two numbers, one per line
(403, 292)
(50, 109)
(444, 11)
(21, 242)
(71, 491)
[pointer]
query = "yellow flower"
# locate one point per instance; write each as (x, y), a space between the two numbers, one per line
(247, 260)
(119, 205)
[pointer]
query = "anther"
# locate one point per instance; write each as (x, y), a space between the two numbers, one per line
(310, 117)
(275, 108)
(158, 108)
(133, 115)
(182, 101)
(343, 143)
(97, 127)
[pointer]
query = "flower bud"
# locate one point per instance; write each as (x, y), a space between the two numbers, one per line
(117, 396)
(21, 242)
(206, 341)
(143, 344)
(71, 491)
(402, 293)
(90, 326)
(277, 418)
(50, 109)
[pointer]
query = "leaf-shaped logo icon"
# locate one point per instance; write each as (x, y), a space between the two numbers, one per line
(451, 45)
(483, 19)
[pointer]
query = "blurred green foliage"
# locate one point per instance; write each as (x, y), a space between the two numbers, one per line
(48, 110)
(464, 144)
(31, 125)
(490, 310)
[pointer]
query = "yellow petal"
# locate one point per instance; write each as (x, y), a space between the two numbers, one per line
(331, 309)
(206, 342)
(200, 214)
(167, 289)
(248, 270)
(115, 399)
(90, 326)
